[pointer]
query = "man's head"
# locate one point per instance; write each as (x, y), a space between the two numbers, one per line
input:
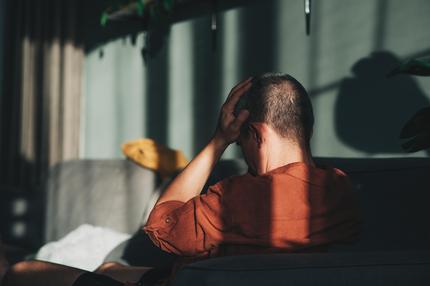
(279, 125)
(281, 102)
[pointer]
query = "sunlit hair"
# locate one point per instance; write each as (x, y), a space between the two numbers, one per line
(282, 102)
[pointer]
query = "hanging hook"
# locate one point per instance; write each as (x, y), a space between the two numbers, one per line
(214, 24)
(308, 16)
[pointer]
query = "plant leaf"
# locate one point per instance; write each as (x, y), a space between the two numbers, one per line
(168, 5)
(418, 143)
(140, 7)
(104, 19)
(414, 67)
(419, 123)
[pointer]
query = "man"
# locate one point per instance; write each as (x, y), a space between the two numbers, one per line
(285, 203)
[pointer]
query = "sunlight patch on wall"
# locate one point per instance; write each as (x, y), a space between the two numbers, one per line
(292, 55)
(180, 93)
(230, 64)
(114, 103)
(406, 27)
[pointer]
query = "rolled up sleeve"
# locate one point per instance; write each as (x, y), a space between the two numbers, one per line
(191, 228)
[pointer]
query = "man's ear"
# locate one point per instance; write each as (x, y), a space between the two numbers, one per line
(256, 133)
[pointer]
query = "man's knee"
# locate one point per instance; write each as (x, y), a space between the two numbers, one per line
(17, 270)
(107, 267)
(23, 267)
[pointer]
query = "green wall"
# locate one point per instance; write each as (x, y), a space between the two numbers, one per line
(174, 96)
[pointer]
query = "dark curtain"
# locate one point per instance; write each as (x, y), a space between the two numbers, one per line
(40, 104)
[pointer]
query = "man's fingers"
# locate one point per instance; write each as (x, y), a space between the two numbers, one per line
(240, 119)
(243, 115)
(240, 84)
(234, 97)
(238, 87)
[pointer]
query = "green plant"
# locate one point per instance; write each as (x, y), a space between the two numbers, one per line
(153, 9)
(417, 129)
(153, 15)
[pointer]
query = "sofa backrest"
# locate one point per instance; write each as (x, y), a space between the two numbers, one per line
(394, 196)
(111, 193)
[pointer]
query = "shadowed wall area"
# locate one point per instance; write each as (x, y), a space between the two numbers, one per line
(1, 45)
(175, 95)
(371, 108)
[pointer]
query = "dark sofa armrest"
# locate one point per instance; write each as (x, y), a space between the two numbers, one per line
(370, 269)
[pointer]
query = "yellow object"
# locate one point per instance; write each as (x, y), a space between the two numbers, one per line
(149, 154)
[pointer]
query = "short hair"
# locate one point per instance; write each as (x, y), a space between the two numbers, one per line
(280, 101)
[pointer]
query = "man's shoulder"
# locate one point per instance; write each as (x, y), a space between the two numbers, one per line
(308, 173)
(230, 182)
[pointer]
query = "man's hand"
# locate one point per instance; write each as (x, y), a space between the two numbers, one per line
(190, 182)
(228, 128)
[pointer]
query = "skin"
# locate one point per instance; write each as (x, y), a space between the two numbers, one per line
(263, 150)
(190, 182)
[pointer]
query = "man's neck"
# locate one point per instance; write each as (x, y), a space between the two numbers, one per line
(283, 152)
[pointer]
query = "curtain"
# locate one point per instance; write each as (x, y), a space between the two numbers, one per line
(40, 104)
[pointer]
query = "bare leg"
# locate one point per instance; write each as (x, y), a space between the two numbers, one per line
(41, 273)
(121, 272)
(35, 273)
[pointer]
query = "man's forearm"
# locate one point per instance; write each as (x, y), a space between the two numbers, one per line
(190, 182)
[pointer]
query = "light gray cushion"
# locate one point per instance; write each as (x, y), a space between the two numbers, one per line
(108, 193)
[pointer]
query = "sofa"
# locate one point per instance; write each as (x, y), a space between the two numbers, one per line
(394, 248)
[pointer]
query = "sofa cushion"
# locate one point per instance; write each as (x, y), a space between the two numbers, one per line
(109, 193)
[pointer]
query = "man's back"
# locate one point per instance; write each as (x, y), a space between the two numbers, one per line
(296, 207)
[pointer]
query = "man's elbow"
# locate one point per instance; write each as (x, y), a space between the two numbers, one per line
(174, 245)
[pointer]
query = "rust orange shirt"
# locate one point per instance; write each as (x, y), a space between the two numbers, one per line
(293, 208)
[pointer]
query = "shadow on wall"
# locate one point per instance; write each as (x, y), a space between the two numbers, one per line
(371, 109)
